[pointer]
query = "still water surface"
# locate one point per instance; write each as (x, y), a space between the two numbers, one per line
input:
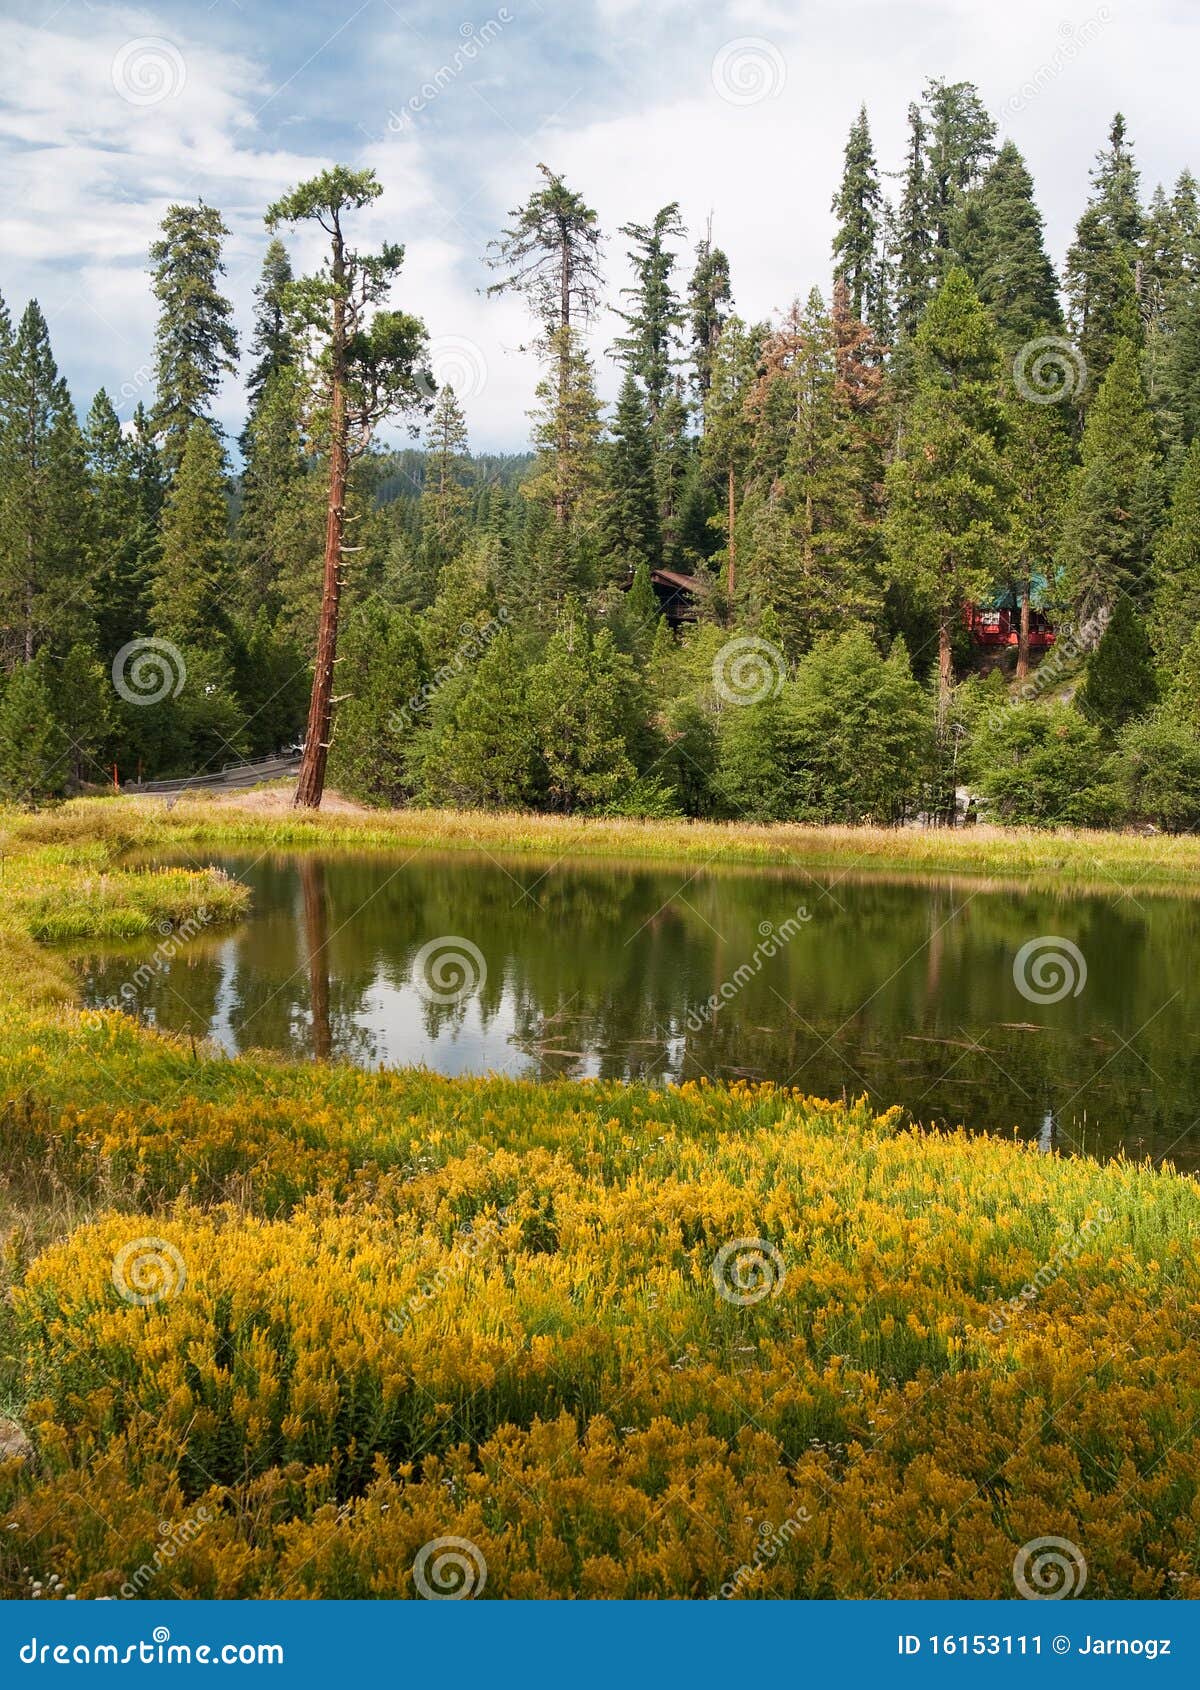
(906, 991)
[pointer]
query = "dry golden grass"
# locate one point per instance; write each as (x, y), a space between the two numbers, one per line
(266, 819)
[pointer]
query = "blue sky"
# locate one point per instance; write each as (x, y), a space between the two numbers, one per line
(734, 107)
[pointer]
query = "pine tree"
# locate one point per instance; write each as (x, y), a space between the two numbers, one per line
(1181, 377)
(859, 727)
(444, 497)
(1119, 681)
(464, 610)
(709, 297)
(578, 696)
(566, 431)
(150, 479)
(1162, 258)
(1038, 462)
(278, 534)
(191, 598)
(1103, 260)
(1185, 208)
(810, 552)
(45, 595)
(961, 145)
(1117, 189)
(195, 343)
(728, 433)
(483, 754)
(118, 562)
(274, 344)
(650, 348)
(998, 240)
(367, 360)
(948, 486)
(383, 673)
(551, 253)
(630, 504)
(82, 701)
(642, 613)
(756, 779)
(912, 232)
(34, 757)
(1176, 612)
(1115, 497)
(858, 207)
(864, 402)
(272, 681)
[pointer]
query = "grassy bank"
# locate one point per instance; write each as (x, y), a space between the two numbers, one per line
(266, 820)
(74, 888)
(274, 1329)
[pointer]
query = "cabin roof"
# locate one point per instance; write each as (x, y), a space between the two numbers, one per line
(686, 583)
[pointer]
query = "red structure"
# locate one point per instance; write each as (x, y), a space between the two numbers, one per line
(990, 625)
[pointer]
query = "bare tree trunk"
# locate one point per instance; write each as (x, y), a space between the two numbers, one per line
(945, 670)
(1023, 635)
(311, 783)
(731, 549)
(564, 354)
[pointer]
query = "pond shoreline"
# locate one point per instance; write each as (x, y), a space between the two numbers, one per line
(1124, 863)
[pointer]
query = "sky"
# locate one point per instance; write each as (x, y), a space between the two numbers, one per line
(738, 109)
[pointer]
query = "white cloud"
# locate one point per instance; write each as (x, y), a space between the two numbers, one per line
(631, 117)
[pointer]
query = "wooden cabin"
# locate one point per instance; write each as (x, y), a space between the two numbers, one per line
(999, 624)
(678, 595)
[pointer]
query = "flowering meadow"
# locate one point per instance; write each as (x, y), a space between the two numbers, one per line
(274, 1330)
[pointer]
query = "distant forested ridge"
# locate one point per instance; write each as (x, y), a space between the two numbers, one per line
(738, 591)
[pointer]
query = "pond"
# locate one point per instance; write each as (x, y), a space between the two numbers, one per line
(1067, 1019)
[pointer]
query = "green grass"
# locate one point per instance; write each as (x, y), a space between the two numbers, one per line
(58, 890)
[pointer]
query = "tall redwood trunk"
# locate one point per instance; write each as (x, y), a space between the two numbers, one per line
(730, 550)
(311, 783)
(1023, 635)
